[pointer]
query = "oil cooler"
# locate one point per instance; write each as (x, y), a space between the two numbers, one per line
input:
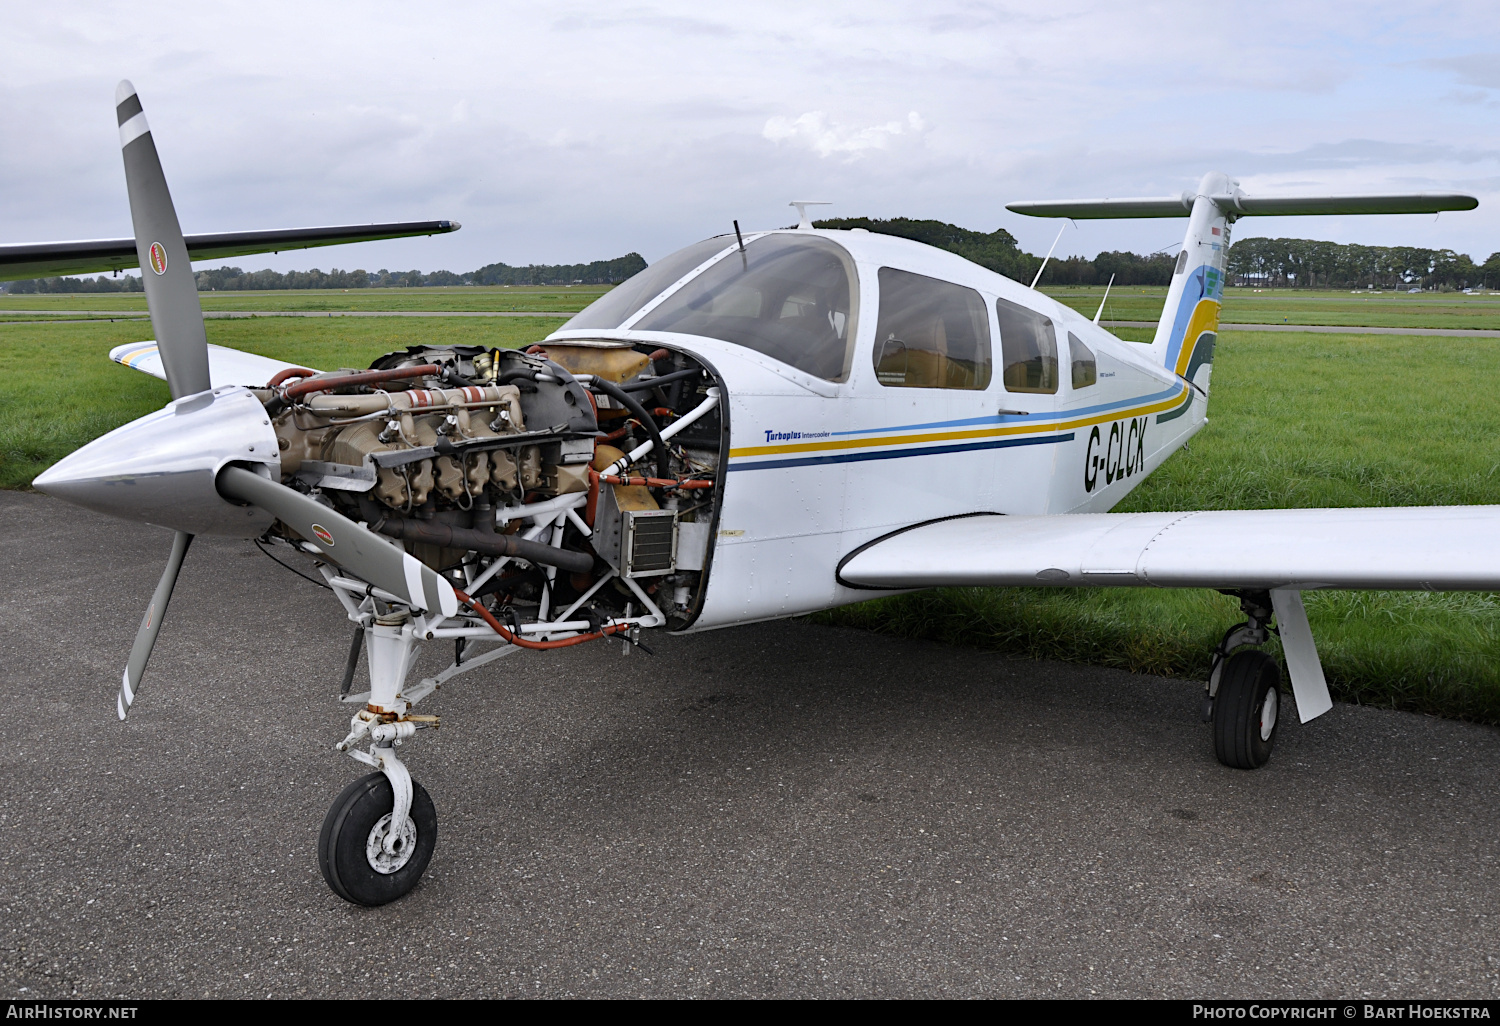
(632, 534)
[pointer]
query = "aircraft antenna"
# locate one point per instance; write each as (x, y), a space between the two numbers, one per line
(1055, 241)
(1104, 300)
(803, 223)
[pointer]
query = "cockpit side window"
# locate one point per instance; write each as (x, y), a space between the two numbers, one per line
(931, 333)
(792, 297)
(617, 305)
(1085, 367)
(1029, 347)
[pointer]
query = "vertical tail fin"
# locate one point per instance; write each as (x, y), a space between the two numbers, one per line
(1189, 325)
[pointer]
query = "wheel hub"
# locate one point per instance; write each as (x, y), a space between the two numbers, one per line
(401, 847)
(1268, 714)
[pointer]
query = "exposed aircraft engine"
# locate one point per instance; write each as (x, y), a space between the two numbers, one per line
(451, 452)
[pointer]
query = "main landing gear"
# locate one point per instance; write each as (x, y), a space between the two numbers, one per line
(1243, 699)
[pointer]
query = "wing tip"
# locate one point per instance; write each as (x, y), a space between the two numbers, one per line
(124, 91)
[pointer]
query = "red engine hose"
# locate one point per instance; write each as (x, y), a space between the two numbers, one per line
(500, 629)
(289, 372)
(649, 482)
(654, 482)
(360, 378)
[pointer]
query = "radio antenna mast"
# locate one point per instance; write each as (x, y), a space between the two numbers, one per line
(1104, 300)
(1055, 241)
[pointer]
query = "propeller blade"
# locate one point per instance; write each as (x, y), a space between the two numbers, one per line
(166, 269)
(145, 638)
(344, 542)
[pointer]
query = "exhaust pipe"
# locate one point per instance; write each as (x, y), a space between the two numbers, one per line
(435, 532)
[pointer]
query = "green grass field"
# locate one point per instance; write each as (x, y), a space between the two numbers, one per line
(1241, 306)
(1295, 420)
(551, 299)
(61, 389)
(1285, 306)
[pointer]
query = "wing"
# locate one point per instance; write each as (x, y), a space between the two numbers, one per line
(1240, 205)
(1412, 548)
(51, 259)
(225, 366)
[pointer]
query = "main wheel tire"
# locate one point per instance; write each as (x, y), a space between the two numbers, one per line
(349, 851)
(1247, 709)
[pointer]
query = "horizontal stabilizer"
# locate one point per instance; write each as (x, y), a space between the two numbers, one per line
(1407, 548)
(225, 366)
(1237, 204)
(53, 259)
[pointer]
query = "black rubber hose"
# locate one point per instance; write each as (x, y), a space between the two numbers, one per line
(514, 373)
(435, 532)
(352, 662)
(661, 379)
(631, 403)
(453, 377)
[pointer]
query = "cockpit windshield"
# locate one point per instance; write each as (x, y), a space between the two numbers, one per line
(792, 297)
(620, 303)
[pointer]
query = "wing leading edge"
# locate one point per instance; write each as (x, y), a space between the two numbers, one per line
(51, 259)
(1413, 548)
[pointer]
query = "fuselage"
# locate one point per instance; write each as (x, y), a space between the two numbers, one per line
(820, 464)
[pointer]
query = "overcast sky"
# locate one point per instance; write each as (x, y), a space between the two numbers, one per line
(562, 132)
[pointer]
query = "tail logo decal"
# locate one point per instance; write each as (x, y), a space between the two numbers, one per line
(157, 256)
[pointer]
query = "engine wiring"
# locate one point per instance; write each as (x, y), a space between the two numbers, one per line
(288, 566)
(516, 639)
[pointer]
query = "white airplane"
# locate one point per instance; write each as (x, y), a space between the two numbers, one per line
(754, 427)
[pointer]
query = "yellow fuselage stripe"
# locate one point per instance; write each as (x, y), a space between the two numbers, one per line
(947, 436)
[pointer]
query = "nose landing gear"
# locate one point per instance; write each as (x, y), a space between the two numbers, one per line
(359, 856)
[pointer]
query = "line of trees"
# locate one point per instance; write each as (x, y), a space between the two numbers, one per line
(226, 279)
(1307, 263)
(1275, 263)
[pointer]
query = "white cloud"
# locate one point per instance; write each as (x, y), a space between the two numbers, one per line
(828, 138)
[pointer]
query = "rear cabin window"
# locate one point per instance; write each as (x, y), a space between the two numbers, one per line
(790, 297)
(931, 333)
(1029, 348)
(1085, 367)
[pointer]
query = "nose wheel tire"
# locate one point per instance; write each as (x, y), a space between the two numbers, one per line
(1246, 710)
(351, 849)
